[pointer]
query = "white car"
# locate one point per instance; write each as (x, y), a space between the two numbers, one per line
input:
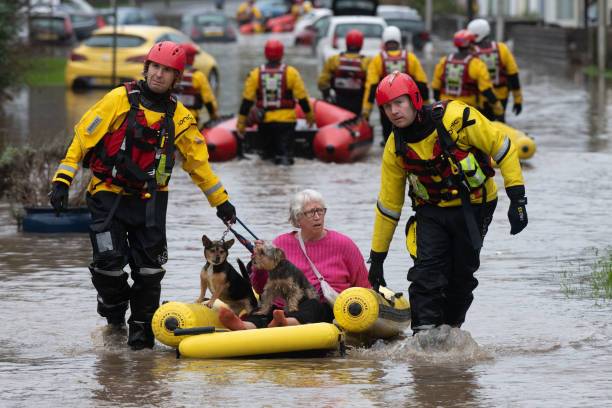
(333, 40)
(310, 18)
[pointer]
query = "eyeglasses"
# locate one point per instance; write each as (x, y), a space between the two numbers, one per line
(311, 213)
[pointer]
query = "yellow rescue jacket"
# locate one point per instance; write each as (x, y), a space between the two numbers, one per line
(247, 13)
(333, 63)
(201, 84)
(501, 63)
(294, 84)
(108, 114)
(376, 71)
(481, 135)
(477, 71)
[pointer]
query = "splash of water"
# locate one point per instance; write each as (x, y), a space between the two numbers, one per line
(443, 344)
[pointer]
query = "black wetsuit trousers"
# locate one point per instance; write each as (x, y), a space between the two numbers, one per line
(277, 140)
(351, 101)
(122, 239)
(442, 278)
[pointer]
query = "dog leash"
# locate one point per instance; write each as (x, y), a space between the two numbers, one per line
(246, 228)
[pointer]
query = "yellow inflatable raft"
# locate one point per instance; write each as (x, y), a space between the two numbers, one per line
(525, 144)
(366, 315)
(241, 343)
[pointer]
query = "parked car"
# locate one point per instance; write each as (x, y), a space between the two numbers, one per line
(90, 63)
(333, 41)
(409, 22)
(208, 26)
(273, 8)
(305, 31)
(51, 27)
(83, 17)
(354, 7)
(129, 16)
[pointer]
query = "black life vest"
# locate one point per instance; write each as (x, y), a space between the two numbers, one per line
(456, 80)
(349, 76)
(136, 156)
(432, 180)
(272, 91)
(186, 93)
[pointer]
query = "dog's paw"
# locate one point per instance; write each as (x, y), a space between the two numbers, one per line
(210, 304)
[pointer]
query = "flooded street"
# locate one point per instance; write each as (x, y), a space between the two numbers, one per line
(524, 344)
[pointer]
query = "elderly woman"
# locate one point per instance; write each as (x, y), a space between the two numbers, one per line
(335, 256)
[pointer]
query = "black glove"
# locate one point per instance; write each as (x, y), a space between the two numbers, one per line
(376, 275)
(58, 197)
(226, 212)
(517, 213)
(517, 108)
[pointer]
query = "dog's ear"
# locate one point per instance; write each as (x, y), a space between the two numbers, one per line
(228, 244)
(207, 242)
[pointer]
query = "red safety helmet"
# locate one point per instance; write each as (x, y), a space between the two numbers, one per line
(395, 85)
(190, 52)
(354, 40)
(463, 38)
(169, 54)
(274, 50)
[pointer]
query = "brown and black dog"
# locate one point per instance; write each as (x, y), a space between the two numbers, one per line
(223, 281)
(285, 280)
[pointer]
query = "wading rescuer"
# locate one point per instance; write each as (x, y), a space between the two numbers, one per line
(464, 77)
(128, 140)
(193, 90)
(273, 88)
(443, 151)
(503, 70)
(247, 13)
(392, 58)
(345, 74)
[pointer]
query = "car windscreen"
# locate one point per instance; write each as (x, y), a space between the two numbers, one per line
(354, 7)
(406, 25)
(106, 40)
(368, 30)
(210, 19)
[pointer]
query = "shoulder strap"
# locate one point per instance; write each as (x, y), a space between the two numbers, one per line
(312, 265)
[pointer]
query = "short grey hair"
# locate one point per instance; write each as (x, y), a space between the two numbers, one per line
(299, 201)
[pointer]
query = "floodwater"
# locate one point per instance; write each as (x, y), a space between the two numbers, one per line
(525, 343)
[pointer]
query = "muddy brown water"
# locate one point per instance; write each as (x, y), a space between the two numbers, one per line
(525, 343)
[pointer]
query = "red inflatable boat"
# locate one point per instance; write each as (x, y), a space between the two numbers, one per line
(281, 24)
(340, 136)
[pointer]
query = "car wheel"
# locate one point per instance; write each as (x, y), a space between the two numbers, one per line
(213, 79)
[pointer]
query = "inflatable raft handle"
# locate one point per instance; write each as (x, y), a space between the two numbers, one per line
(196, 330)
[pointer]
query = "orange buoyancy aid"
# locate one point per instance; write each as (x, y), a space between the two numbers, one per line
(456, 80)
(186, 93)
(272, 92)
(433, 180)
(349, 76)
(492, 59)
(136, 156)
(392, 63)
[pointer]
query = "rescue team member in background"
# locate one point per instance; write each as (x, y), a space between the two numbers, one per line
(462, 76)
(392, 58)
(128, 140)
(193, 90)
(247, 13)
(503, 70)
(300, 7)
(273, 88)
(345, 74)
(444, 151)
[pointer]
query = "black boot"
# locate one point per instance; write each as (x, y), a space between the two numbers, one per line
(116, 323)
(140, 336)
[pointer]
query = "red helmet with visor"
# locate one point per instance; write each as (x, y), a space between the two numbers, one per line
(395, 85)
(169, 54)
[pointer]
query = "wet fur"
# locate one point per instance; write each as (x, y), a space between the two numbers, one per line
(286, 281)
(223, 281)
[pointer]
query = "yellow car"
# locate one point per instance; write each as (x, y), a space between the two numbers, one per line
(90, 63)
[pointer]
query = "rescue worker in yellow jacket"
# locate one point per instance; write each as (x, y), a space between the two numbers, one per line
(443, 151)
(274, 88)
(345, 74)
(128, 140)
(462, 76)
(193, 90)
(300, 7)
(503, 70)
(392, 58)
(247, 13)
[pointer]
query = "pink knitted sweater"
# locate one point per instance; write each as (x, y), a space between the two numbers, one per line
(335, 255)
